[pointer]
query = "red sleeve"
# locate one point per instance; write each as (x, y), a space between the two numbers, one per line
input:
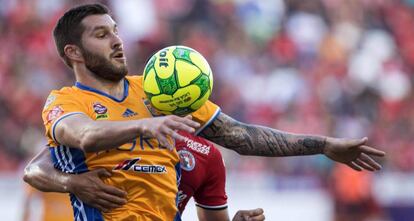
(212, 193)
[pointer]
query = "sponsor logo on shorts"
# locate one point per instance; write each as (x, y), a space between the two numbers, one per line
(140, 168)
(187, 160)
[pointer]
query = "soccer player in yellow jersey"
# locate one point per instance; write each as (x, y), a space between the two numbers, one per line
(104, 122)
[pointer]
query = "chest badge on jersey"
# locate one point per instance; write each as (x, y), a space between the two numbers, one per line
(100, 110)
(187, 160)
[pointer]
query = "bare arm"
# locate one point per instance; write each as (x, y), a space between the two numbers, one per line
(91, 136)
(247, 139)
(88, 187)
(41, 174)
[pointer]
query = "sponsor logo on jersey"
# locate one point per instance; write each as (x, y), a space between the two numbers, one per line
(128, 113)
(187, 160)
(54, 113)
(100, 110)
(154, 112)
(140, 168)
(49, 101)
(196, 146)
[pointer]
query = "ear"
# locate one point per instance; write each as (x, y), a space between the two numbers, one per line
(74, 53)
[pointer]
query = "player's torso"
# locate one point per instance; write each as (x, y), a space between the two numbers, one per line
(147, 172)
(194, 156)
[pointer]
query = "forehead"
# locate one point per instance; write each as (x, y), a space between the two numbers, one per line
(91, 22)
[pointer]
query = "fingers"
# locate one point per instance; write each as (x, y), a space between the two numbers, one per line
(354, 166)
(182, 123)
(368, 160)
(103, 204)
(115, 200)
(250, 215)
(371, 151)
(113, 191)
(364, 165)
(255, 215)
(257, 218)
(101, 172)
(165, 143)
(255, 212)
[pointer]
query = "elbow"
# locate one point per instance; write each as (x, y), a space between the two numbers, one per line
(28, 174)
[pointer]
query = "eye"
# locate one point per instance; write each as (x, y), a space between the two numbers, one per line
(101, 35)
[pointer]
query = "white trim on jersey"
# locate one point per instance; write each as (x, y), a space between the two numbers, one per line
(209, 121)
(224, 206)
(81, 210)
(58, 120)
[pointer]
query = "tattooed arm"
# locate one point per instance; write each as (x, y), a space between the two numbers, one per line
(247, 139)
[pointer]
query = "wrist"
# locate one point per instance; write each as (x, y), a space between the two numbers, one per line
(66, 183)
(326, 142)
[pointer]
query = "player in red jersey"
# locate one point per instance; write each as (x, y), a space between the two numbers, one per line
(203, 177)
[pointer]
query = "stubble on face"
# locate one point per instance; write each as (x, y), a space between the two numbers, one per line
(102, 67)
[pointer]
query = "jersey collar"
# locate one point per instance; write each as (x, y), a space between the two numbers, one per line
(87, 88)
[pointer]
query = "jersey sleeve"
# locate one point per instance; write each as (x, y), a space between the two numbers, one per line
(206, 114)
(212, 193)
(57, 107)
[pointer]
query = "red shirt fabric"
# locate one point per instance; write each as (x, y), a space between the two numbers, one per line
(203, 175)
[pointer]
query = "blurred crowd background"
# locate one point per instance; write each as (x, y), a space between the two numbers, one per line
(342, 68)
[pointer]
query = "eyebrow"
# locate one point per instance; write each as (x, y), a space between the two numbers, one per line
(102, 27)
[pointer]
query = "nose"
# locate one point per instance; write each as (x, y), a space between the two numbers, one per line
(116, 42)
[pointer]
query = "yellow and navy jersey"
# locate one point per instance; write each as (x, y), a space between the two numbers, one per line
(147, 172)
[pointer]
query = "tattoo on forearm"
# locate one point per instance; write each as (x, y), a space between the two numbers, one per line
(260, 141)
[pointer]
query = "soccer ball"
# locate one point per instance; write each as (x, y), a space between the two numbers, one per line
(177, 80)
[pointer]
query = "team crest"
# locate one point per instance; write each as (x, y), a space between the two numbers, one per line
(100, 110)
(187, 160)
(54, 113)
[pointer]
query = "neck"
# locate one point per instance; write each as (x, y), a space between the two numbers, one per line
(87, 78)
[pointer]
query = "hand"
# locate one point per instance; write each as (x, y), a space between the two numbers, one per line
(249, 215)
(353, 152)
(164, 127)
(90, 189)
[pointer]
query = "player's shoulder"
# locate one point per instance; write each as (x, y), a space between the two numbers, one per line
(62, 95)
(134, 79)
(65, 91)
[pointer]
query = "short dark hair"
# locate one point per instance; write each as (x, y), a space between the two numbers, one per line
(68, 29)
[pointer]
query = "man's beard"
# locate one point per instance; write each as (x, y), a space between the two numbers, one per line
(103, 68)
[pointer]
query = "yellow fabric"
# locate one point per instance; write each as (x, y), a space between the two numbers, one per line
(151, 194)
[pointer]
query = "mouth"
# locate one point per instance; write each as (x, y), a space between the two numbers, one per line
(119, 55)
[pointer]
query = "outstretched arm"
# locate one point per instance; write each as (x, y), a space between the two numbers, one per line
(88, 186)
(247, 139)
